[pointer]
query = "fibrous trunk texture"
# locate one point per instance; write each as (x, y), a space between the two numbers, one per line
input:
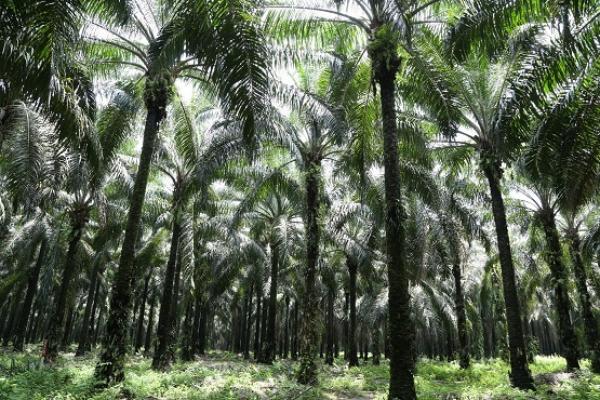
(110, 365)
(520, 375)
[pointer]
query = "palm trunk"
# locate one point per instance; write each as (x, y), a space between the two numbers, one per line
(84, 333)
(196, 323)
(175, 308)
(150, 327)
(32, 283)
(520, 375)
(309, 334)
(376, 352)
(162, 359)
(449, 328)
(286, 331)
(353, 272)
(187, 351)
(346, 325)
(71, 317)
(110, 365)
(248, 333)
(561, 293)
(402, 386)
(263, 327)
(92, 337)
(202, 333)
(57, 320)
(589, 320)
(295, 341)
(139, 337)
(461, 317)
(330, 326)
(258, 318)
(14, 311)
(270, 344)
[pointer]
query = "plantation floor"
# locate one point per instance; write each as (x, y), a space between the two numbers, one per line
(225, 376)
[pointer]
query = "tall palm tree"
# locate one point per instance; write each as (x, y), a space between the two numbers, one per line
(352, 229)
(189, 160)
(544, 205)
(174, 47)
(34, 167)
(479, 106)
(276, 218)
(86, 183)
(388, 25)
(563, 160)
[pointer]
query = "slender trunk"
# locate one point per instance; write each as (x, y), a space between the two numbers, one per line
(589, 320)
(461, 317)
(562, 301)
(520, 375)
(243, 317)
(14, 311)
(353, 272)
(196, 323)
(295, 342)
(270, 344)
(248, 332)
(32, 284)
(528, 340)
(84, 332)
(346, 325)
(309, 335)
(174, 316)
(263, 327)
(132, 324)
(202, 333)
(258, 318)
(386, 340)
(187, 352)
(93, 315)
(385, 64)
(71, 313)
(4, 316)
(286, 330)
(139, 337)
(330, 327)
(57, 320)
(487, 332)
(376, 352)
(70, 326)
(449, 341)
(150, 327)
(110, 365)
(99, 325)
(322, 344)
(336, 343)
(162, 359)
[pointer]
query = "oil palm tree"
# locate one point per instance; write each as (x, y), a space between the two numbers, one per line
(189, 160)
(543, 203)
(388, 26)
(170, 48)
(85, 184)
(482, 106)
(34, 167)
(562, 157)
(277, 218)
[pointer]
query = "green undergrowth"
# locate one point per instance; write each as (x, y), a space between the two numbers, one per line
(226, 376)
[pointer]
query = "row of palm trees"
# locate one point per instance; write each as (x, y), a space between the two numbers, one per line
(366, 173)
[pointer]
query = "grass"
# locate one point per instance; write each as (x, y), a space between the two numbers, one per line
(226, 376)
